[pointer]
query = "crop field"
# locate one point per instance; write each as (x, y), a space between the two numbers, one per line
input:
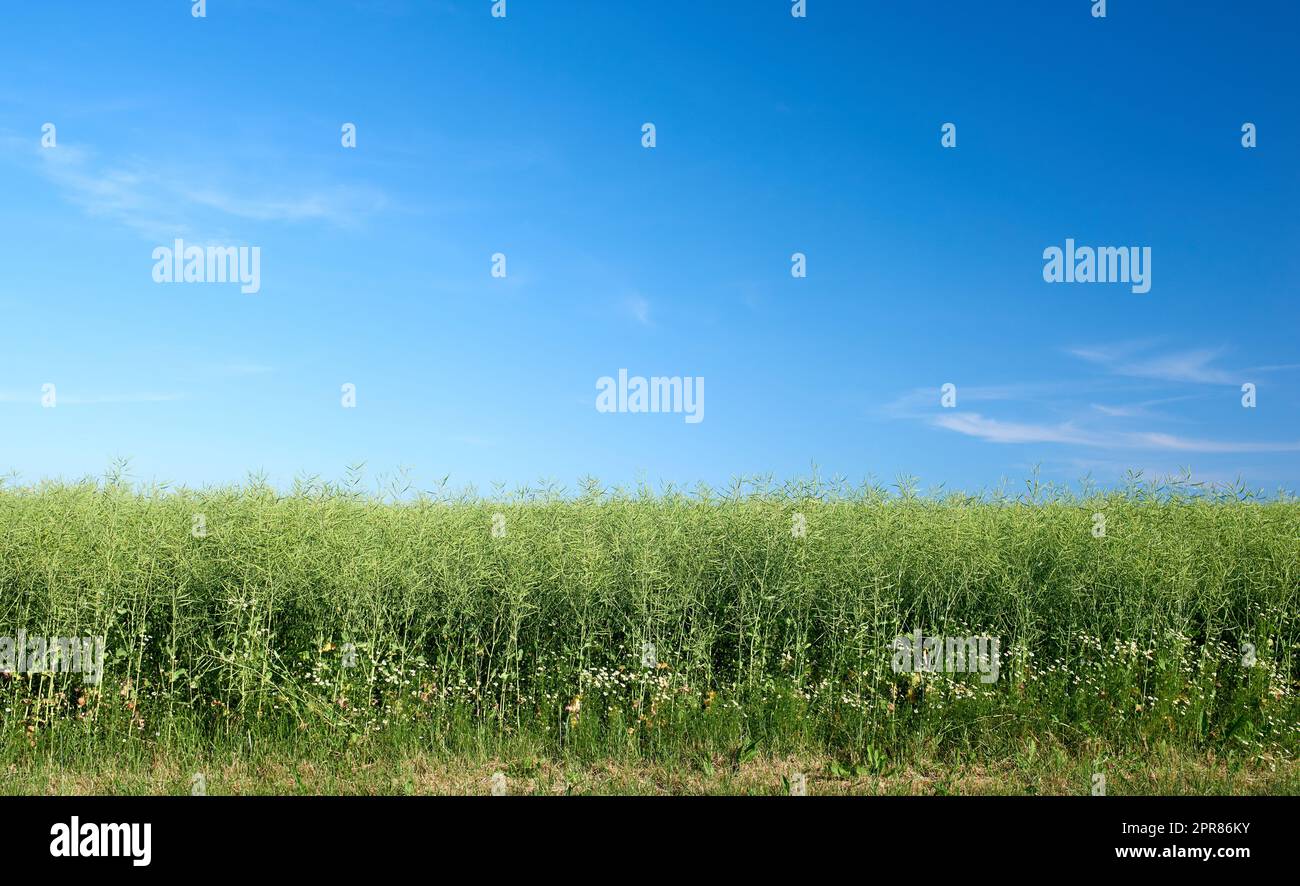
(244, 640)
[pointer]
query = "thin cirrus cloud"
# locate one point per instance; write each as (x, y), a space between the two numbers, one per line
(639, 309)
(1140, 410)
(239, 368)
(1185, 366)
(991, 430)
(1084, 420)
(918, 402)
(160, 202)
(1194, 366)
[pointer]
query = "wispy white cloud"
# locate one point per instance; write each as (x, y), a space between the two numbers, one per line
(639, 309)
(1196, 366)
(992, 430)
(1138, 410)
(1174, 443)
(919, 402)
(1185, 366)
(972, 424)
(341, 206)
(1119, 411)
(167, 200)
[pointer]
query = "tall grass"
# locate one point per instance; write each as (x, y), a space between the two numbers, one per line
(330, 619)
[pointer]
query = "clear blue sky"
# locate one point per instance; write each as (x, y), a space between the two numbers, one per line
(775, 135)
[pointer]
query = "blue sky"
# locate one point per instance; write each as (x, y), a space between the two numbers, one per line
(775, 135)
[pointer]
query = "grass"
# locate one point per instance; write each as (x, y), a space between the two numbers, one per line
(639, 642)
(417, 773)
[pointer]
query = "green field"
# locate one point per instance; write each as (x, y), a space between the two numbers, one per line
(627, 641)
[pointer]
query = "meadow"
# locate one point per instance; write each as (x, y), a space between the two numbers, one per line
(328, 639)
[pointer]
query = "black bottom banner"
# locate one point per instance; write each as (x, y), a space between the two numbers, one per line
(331, 835)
